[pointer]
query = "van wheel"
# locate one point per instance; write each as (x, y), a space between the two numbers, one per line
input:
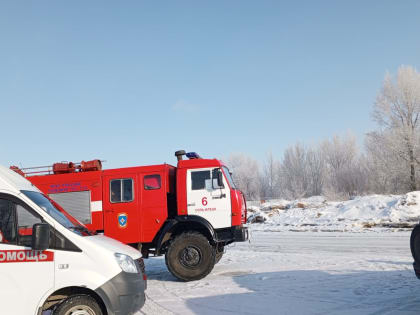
(220, 250)
(190, 256)
(78, 305)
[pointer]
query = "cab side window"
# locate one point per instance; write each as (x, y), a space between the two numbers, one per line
(152, 182)
(121, 190)
(7, 222)
(198, 179)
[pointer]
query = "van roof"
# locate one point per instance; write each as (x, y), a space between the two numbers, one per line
(12, 181)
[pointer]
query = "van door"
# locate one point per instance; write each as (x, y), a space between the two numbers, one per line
(121, 217)
(26, 276)
(206, 200)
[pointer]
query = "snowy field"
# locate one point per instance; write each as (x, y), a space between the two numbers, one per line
(296, 273)
(361, 214)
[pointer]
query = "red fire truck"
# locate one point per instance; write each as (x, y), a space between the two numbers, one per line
(189, 213)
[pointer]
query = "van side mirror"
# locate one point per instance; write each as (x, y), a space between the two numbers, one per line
(40, 236)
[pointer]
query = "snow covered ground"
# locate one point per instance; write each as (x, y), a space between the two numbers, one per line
(296, 273)
(373, 212)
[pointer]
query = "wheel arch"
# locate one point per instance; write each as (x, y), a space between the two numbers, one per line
(60, 295)
(182, 224)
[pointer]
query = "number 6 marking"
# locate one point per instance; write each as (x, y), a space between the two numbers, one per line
(204, 201)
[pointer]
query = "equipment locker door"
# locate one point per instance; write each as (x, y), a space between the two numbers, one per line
(120, 201)
(25, 275)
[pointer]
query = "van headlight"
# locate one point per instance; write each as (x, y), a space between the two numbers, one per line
(126, 263)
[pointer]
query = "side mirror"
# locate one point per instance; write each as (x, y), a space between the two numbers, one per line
(217, 179)
(40, 236)
(220, 179)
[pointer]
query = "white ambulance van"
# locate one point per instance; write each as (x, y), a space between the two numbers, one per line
(51, 264)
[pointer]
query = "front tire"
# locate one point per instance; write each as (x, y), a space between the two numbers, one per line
(80, 305)
(220, 250)
(190, 256)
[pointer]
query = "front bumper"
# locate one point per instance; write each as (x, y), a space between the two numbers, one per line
(241, 234)
(238, 233)
(123, 294)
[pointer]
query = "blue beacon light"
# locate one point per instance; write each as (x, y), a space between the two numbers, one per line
(193, 155)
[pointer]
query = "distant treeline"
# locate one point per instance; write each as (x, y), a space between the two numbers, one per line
(387, 163)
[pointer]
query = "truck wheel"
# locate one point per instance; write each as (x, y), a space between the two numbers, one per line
(415, 243)
(78, 305)
(190, 256)
(220, 250)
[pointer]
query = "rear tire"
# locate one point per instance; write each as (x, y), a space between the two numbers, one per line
(79, 304)
(190, 256)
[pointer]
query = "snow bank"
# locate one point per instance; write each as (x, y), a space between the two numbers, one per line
(318, 214)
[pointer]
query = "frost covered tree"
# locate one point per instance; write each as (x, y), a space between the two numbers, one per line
(385, 169)
(294, 175)
(315, 168)
(344, 172)
(245, 173)
(302, 172)
(270, 177)
(396, 111)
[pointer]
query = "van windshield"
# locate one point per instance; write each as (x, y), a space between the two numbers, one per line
(58, 213)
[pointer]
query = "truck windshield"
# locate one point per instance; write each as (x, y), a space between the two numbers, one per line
(58, 213)
(229, 177)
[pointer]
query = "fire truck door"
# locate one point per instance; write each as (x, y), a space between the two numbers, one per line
(207, 200)
(25, 275)
(121, 218)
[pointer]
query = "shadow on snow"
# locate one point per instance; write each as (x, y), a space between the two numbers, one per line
(316, 292)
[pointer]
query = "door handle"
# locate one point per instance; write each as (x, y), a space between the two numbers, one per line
(108, 211)
(191, 204)
(219, 197)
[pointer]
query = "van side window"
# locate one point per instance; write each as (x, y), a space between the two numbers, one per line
(198, 179)
(152, 182)
(121, 190)
(7, 222)
(16, 223)
(25, 220)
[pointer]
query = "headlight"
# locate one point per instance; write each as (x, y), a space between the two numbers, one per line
(126, 263)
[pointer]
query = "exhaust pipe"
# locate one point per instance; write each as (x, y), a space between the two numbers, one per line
(179, 154)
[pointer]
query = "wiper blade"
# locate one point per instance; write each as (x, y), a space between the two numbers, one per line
(81, 229)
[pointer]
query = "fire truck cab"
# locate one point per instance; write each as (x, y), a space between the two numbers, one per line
(188, 213)
(51, 264)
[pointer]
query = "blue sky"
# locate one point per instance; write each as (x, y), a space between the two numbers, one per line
(130, 82)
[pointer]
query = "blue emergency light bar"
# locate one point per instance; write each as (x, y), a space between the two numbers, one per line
(193, 155)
